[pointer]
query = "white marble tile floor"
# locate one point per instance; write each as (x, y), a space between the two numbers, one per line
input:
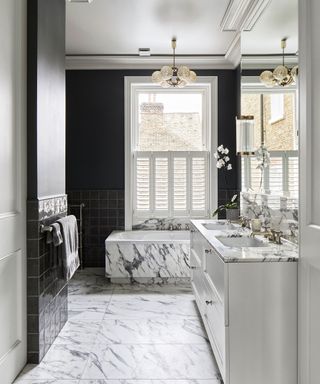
(127, 335)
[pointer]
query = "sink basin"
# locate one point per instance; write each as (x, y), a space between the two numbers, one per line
(241, 242)
(218, 226)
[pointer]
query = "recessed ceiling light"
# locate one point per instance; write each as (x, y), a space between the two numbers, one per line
(144, 52)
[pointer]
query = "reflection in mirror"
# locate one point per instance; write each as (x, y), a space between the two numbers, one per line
(269, 70)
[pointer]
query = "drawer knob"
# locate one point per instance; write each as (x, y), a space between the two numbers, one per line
(209, 302)
(208, 251)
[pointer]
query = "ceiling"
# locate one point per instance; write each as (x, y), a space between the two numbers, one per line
(279, 20)
(114, 27)
(109, 33)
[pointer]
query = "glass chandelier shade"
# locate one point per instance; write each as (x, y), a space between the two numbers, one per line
(245, 136)
(171, 77)
(282, 75)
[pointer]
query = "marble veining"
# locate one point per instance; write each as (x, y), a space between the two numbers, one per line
(152, 330)
(151, 306)
(265, 207)
(151, 361)
(127, 334)
(287, 252)
(162, 224)
(149, 261)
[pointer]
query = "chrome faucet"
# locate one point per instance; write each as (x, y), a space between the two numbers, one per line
(245, 222)
(274, 236)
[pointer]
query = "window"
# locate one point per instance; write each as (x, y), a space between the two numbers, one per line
(170, 144)
(276, 107)
(280, 139)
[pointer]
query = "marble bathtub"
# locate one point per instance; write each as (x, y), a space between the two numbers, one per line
(148, 256)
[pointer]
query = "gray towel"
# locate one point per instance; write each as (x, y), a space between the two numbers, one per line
(69, 247)
(56, 234)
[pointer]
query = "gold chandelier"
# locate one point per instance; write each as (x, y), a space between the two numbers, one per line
(282, 75)
(171, 77)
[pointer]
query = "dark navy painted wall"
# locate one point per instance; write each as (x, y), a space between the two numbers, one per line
(95, 126)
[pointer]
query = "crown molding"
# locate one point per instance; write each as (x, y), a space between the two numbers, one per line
(83, 62)
(242, 15)
(233, 54)
(267, 61)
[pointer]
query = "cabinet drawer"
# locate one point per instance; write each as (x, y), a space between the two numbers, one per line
(215, 320)
(197, 280)
(215, 267)
(197, 244)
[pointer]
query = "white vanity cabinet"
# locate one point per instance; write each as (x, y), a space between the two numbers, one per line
(249, 310)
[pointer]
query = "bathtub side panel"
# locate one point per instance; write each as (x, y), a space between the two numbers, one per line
(147, 262)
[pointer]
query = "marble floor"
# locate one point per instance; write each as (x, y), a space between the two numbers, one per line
(127, 335)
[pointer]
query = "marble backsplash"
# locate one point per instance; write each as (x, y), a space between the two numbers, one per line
(268, 207)
(164, 223)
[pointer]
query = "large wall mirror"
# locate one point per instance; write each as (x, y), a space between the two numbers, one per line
(269, 74)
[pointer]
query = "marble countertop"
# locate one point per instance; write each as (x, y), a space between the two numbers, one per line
(286, 252)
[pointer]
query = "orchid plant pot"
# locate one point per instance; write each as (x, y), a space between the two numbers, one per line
(232, 214)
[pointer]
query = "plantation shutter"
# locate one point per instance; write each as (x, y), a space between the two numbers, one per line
(180, 184)
(293, 176)
(161, 183)
(171, 183)
(143, 183)
(275, 180)
(198, 184)
(282, 175)
(255, 174)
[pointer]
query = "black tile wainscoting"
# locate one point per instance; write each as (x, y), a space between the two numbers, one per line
(47, 290)
(103, 212)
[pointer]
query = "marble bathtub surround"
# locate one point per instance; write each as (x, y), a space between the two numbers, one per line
(275, 212)
(269, 252)
(137, 334)
(163, 224)
(147, 261)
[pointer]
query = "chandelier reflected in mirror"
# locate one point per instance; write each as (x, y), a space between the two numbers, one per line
(282, 75)
(171, 77)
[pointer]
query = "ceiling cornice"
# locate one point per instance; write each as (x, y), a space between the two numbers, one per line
(242, 15)
(78, 62)
(269, 61)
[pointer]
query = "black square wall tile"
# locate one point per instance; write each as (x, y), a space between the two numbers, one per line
(43, 269)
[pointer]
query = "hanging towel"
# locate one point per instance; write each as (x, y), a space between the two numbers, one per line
(69, 247)
(54, 236)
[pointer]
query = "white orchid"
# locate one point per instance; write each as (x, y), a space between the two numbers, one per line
(222, 159)
(220, 163)
(234, 197)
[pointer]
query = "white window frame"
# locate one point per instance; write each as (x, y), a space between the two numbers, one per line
(135, 84)
(252, 84)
